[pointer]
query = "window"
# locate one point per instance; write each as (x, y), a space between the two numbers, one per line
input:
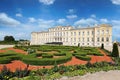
(87, 43)
(66, 39)
(88, 39)
(71, 39)
(98, 39)
(107, 31)
(98, 32)
(92, 32)
(79, 33)
(74, 33)
(67, 33)
(102, 31)
(88, 32)
(83, 39)
(82, 43)
(102, 39)
(107, 39)
(79, 39)
(92, 39)
(74, 39)
(83, 32)
(71, 33)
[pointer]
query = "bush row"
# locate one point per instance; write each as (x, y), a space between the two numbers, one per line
(47, 61)
(59, 54)
(45, 55)
(74, 54)
(94, 53)
(86, 58)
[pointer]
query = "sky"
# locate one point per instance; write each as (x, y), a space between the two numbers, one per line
(21, 17)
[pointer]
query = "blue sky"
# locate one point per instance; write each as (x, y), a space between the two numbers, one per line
(21, 17)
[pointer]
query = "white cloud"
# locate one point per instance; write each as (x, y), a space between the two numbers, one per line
(7, 21)
(31, 19)
(71, 16)
(61, 21)
(71, 11)
(93, 16)
(19, 15)
(104, 20)
(86, 22)
(47, 2)
(116, 2)
(45, 23)
(116, 29)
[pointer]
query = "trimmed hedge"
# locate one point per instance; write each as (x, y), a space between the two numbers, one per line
(85, 58)
(94, 53)
(6, 54)
(38, 54)
(4, 60)
(45, 55)
(47, 61)
(74, 54)
(59, 54)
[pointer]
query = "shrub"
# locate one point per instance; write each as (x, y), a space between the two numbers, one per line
(60, 54)
(38, 54)
(115, 52)
(94, 53)
(5, 74)
(45, 55)
(5, 60)
(75, 52)
(86, 58)
(21, 73)
(81, 54)
(102, 46)
(88, 65)
(47, 61)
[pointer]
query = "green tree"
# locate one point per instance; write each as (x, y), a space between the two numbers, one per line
(102, 46)
(9, 39)
(115, 52)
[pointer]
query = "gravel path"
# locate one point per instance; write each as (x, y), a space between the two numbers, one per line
(110, 75)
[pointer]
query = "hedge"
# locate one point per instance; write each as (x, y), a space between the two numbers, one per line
(38, 54)
(45, 55)
(4, 60)
(59, 54)
(6, 54)
(86, 58)
(74, 54)
(8, 59)
(94, 53)
(47, 61)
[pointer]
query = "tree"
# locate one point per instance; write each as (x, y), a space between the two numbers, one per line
(115, 52)
(102, 46)
(9, 39)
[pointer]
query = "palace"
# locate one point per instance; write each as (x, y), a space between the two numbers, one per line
(67, 35)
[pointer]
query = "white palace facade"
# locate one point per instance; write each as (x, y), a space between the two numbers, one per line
(69, 36)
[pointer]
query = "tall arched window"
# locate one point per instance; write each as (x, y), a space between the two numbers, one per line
(98, 39)
(102, 39)
(107, 39)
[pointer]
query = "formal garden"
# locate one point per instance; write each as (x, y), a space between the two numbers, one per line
(56, 57)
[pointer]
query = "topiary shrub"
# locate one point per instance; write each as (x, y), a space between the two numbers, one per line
(94, 53)
(102, 46)
(115, 52)
(85, 58)
(59, 54)
(44, 55)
